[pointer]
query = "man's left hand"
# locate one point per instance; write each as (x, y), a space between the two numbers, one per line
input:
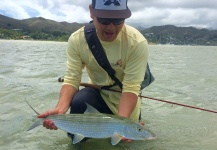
(129, 140)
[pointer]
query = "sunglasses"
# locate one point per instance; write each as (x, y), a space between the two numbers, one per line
(107, 21)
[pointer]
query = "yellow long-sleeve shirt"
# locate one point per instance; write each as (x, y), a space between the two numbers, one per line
(127, 54)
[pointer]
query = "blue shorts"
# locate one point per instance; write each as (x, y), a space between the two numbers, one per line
(92, 97)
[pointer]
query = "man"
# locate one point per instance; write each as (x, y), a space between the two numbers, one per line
(126, 50)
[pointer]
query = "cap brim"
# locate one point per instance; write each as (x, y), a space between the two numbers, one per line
(111, 13)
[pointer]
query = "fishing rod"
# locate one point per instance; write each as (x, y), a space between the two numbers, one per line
(155, 99)
(174, 103)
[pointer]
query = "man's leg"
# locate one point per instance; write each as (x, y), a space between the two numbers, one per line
(92, 97)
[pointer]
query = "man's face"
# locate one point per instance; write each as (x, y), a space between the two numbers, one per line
(107, 32)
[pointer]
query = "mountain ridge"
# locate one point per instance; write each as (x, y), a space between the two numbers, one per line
(166, 34)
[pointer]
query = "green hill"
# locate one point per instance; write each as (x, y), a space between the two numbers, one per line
(49, 26)
(36, 28)
(170, 34)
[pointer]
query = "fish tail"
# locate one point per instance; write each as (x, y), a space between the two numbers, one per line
(34, 125)
(38, 122)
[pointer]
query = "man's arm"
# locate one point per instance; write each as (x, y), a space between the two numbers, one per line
(66, 94)
(127, 104)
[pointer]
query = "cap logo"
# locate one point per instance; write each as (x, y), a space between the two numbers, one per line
(115, 2)
(110, 4)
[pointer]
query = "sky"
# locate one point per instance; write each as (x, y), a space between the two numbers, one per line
(145, 13)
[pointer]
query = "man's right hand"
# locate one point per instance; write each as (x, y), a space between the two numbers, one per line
(49, 124)
(66, 94)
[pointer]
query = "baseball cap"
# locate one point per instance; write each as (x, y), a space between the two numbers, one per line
(110, 9)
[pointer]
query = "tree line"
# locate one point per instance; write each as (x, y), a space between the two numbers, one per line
(20, 34)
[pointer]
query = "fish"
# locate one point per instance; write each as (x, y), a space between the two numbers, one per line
(93, 124)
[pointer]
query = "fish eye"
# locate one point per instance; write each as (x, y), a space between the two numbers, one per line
(139, 129)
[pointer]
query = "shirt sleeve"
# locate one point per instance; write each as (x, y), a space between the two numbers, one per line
(135, 67)
(74, 63)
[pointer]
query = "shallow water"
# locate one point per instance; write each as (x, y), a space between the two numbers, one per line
(29, 71)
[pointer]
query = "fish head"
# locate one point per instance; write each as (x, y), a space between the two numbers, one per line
(137, 131)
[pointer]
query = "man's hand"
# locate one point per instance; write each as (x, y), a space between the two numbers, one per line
(49, 124)
(66, 94)
(129, 140)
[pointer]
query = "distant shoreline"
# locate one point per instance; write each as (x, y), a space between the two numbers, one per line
(150, 44)
(31, 40)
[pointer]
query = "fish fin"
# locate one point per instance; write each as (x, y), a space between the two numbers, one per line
(77, 138)
(32, 108)
(116, 138)
(37, 123)
(91, 109)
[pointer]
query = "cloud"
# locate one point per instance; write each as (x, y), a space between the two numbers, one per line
(180, 13)
(199, 13)
(13, 10)
(59, 10)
